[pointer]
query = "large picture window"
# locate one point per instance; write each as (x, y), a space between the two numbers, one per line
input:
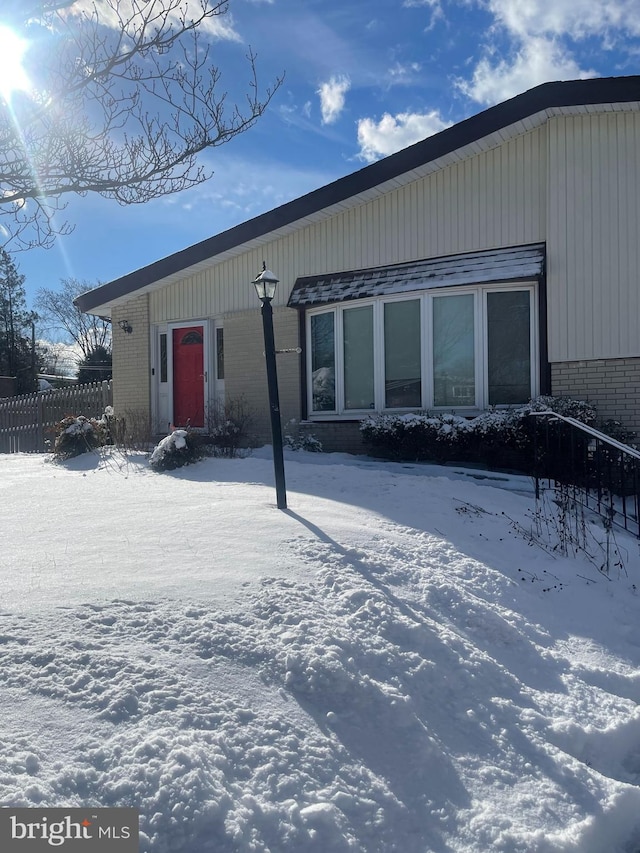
(451, 349)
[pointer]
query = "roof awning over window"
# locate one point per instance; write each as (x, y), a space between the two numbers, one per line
(497, 265)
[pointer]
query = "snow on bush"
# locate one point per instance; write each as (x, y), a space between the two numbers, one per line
(174, 451)
(76, 435)
(298, 439)
(486, 438)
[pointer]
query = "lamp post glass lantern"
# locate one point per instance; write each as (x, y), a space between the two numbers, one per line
(265, 285)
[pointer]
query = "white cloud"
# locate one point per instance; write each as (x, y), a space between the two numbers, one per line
(404, 72)
(538, 61)
(332, 97)
(575, 18)
(542, 33)
(434, 4)
(391, 133)
(218, 26)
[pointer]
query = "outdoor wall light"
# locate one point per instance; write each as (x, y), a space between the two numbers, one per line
(265, 285)
(125, 326)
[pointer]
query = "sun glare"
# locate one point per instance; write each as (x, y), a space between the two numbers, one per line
(13, 77)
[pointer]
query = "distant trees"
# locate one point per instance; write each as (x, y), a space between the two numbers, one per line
(59, 317)
(122, 99)
(96, 366)
(17, 353)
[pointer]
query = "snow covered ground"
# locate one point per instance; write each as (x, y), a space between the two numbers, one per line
(393, 664)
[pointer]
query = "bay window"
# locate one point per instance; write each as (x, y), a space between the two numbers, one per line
(323, 362)
(508, 346)
(453, 337)
(357, 325)
(462, 348)
(402, 354)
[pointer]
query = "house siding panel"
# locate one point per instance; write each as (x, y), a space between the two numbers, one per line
(593, 248)
(469, 205)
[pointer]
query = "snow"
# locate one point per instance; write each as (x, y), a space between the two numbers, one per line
(176, 439)
(396, 663)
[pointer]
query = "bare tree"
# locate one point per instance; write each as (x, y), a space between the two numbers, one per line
(57, 313)
(124, 97)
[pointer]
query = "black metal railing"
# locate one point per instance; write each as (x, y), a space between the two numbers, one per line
(603, 474)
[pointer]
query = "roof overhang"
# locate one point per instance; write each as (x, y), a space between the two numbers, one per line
(517, 263)
(479, 133)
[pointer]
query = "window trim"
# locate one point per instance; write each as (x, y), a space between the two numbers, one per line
(425, 299)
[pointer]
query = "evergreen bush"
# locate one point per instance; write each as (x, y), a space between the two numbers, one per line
(77, 435)
(296, 439)
(175, 450)
(498, 438)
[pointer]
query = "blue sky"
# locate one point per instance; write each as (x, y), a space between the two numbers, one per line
(363, 79)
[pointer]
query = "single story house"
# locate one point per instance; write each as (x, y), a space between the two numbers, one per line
(494, 261)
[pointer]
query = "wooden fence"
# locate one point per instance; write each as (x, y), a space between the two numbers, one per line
(26, 422)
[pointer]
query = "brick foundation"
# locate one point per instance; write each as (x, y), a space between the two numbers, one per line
(612, 385)
(335, 436)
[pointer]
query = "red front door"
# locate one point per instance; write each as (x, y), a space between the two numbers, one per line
(188, 376)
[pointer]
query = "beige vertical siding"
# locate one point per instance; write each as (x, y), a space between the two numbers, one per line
(493, 199)
(593, 244)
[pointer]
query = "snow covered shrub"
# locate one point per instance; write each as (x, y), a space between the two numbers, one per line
(615, 429)
(175, 450)
(108, 424)
(581, 410)
(76, 435)
(437, 437)
(498, 437)
(296, 439)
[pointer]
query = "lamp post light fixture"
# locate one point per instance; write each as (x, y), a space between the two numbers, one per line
(265, 285)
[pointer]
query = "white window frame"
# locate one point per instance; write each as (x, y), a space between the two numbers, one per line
(425, 298)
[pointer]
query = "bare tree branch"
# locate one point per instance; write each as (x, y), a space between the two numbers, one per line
(58, 313)
(125, 97)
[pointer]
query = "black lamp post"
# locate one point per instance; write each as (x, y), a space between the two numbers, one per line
(265, 285)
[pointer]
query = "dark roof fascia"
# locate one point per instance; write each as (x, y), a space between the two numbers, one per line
(546, 96)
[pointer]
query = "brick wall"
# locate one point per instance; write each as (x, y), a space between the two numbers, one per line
(131, 363)
(612, 385)
(335, 436)
(245, 370)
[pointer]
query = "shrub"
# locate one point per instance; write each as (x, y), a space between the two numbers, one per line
(499, 437)
(228, 427)
(175, 450)
(77, 435)
(296, 439)
(581, 410)
(132, 431)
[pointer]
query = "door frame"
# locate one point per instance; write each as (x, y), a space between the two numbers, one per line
(162, 393)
